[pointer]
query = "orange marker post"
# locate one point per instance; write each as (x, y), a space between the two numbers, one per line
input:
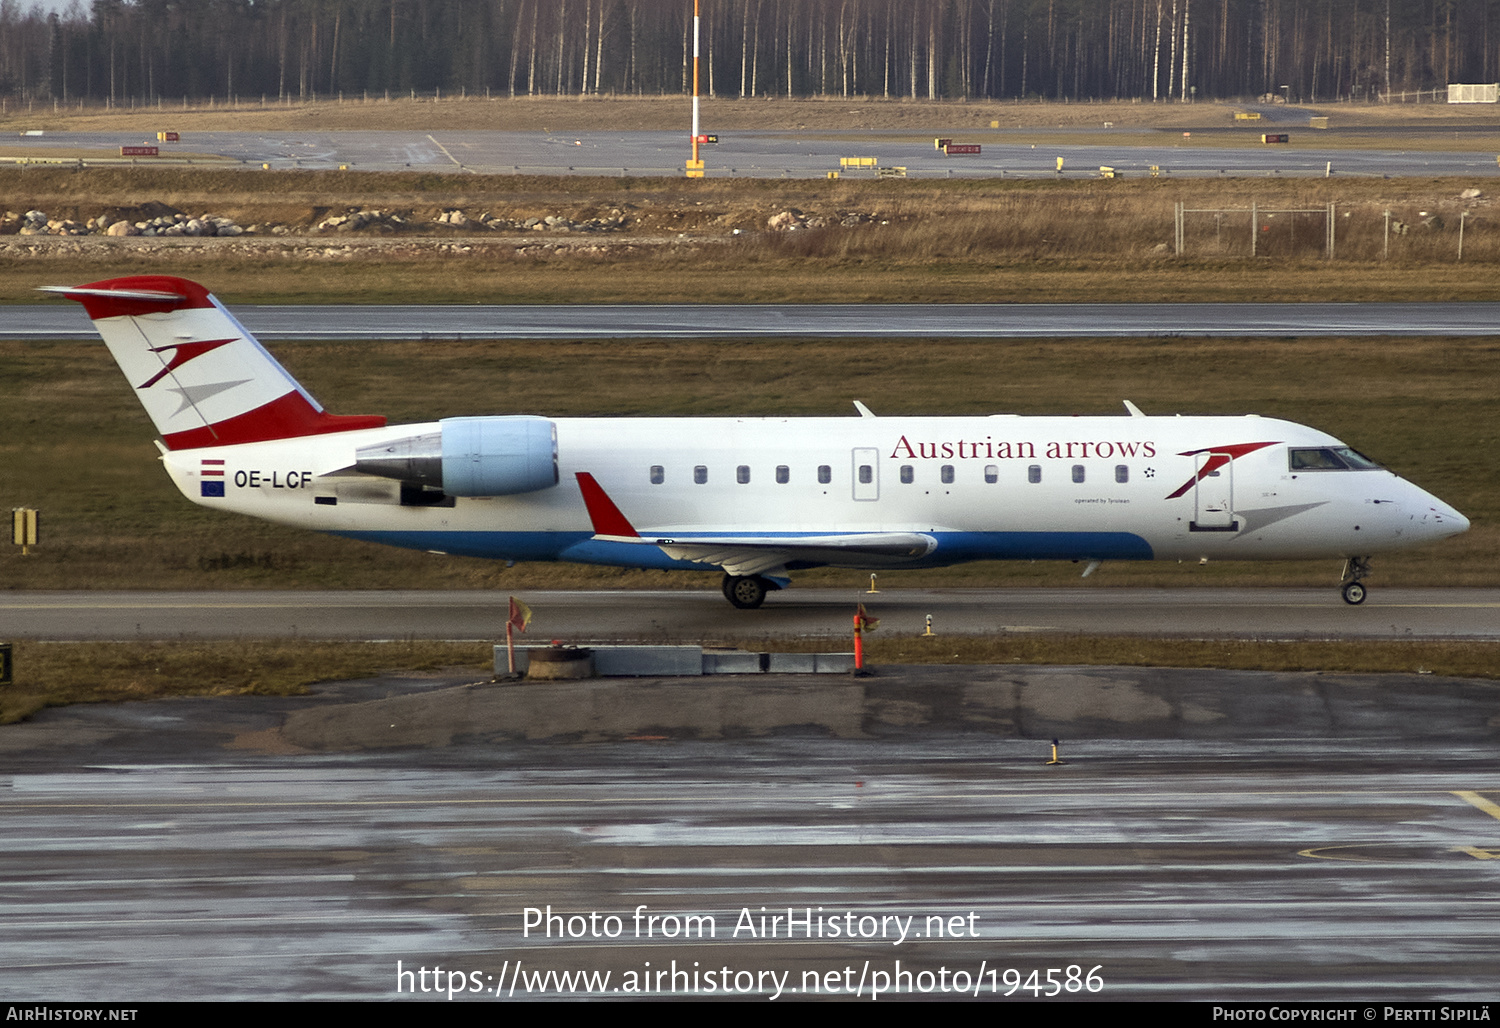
(863, 623)
(520, 617)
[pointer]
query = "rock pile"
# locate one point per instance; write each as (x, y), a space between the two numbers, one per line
(355, 220)
(36, 223)
(792, 219)
(455, 217)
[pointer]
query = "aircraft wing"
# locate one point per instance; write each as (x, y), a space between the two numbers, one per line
(754, 555)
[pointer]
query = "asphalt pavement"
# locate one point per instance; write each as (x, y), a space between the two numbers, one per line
(62, 320)
(800, 153)
(694, 616)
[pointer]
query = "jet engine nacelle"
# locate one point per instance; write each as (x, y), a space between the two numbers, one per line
(496, 456)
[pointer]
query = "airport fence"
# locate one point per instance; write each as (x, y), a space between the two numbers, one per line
(1253, 231)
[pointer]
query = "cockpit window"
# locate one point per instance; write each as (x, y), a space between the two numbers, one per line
(1316, 460)
(1355, 459)
(1330, 458)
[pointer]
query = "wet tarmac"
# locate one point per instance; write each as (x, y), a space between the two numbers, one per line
(1212, 836)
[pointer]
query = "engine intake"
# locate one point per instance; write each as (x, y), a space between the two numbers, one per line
(495, 456)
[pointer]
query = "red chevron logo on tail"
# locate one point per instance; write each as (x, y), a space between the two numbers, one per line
(185, 352)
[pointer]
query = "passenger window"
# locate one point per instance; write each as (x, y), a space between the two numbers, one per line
(783, 474)
(742, 474)
(947, 474)
(1122, 473)
(866, 474)
(991, 473)
(825, 474)
(907, 474)
(1078, 472)
(657, 474)
(1034, 474)
(700, 474)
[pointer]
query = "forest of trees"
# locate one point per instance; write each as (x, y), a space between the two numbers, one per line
(144, 51)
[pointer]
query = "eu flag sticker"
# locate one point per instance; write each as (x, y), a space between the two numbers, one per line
(211, 468)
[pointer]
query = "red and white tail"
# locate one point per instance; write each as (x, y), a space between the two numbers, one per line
(203, 379)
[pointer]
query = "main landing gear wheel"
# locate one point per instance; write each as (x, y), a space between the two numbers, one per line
(746, 592)
(1354, 593)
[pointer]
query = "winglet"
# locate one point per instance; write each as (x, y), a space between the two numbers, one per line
(607, 519)
(1135, 412)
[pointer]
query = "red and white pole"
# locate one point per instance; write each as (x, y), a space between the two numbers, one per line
(695, 165)
(695, 79)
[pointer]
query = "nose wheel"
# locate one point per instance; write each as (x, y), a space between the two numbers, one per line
(1355, 569)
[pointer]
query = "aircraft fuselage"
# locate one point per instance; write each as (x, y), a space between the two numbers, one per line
(1003, 487)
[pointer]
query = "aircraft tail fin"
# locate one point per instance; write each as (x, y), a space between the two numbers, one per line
(202, 377)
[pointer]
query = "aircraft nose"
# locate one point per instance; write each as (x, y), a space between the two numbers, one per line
(1442, 521)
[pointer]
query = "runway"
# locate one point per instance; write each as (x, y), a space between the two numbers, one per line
(695, 616)
(797, 153)
(1244, 837)
(61, 321)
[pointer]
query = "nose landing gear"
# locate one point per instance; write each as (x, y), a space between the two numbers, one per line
(1355, 568)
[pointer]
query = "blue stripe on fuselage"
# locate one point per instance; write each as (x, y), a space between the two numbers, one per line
(582, 548)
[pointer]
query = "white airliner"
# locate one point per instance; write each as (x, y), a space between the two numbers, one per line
(754, 498)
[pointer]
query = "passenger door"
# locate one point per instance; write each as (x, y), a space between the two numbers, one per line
(1213, 495)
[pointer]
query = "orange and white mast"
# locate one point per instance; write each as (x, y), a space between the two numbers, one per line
(695, 164)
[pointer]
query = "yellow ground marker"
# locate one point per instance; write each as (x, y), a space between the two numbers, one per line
(1488, 806)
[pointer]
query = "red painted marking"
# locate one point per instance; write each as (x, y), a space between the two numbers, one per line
(185, 352)
(1220, 455)
(191, 294)
(284, 418)
(603, 513)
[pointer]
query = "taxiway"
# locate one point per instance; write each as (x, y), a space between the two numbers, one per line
(820, 321)
(682, 615)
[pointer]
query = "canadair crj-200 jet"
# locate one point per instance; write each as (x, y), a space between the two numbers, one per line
(754, 498)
